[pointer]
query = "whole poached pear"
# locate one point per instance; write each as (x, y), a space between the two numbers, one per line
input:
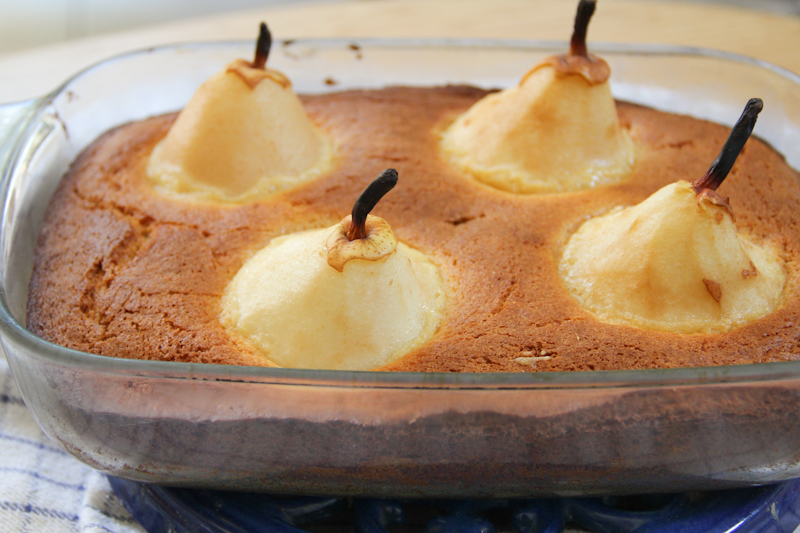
(348, 297)
(556, 131)
(244, 135)
(676, 262)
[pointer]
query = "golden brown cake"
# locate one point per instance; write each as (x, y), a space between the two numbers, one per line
(123, 271)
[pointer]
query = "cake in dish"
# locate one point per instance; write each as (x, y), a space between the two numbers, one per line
(555, 131)
(125, 269)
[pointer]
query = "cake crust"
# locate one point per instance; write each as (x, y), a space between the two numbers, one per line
(124, 272)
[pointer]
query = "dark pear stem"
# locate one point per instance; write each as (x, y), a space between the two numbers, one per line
(577, 46)
(263, 45)
(730, 150)
(367, 201)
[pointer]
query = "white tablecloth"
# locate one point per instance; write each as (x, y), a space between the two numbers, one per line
(42, 488)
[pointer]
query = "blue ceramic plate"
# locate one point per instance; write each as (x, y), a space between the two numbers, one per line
(774, 508)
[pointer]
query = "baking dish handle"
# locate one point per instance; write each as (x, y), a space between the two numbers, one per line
(13, 119)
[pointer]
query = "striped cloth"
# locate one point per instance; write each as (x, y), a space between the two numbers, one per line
(42, 489)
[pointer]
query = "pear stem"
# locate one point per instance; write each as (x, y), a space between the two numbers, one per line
(367, 201)
(577, 46)
(741, 131)
(263, 46)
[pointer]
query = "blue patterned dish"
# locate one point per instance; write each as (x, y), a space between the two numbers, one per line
(773, 509)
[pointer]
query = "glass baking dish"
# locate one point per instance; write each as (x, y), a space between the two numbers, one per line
(390, 434)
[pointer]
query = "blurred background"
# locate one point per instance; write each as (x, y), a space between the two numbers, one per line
(30, 23)
(43, 42)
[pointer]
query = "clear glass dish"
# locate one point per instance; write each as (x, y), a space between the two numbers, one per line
(390, 434)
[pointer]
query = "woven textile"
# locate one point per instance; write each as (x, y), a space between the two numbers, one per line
(42, 488)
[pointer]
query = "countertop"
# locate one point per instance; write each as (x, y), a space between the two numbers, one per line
(771, 37)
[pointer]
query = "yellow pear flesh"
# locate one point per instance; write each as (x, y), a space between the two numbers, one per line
(673, 263)
(301, 312)
(553, 132)
(234, 142)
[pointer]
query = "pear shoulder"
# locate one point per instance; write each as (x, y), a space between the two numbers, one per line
(125, 272)
(595, 70)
